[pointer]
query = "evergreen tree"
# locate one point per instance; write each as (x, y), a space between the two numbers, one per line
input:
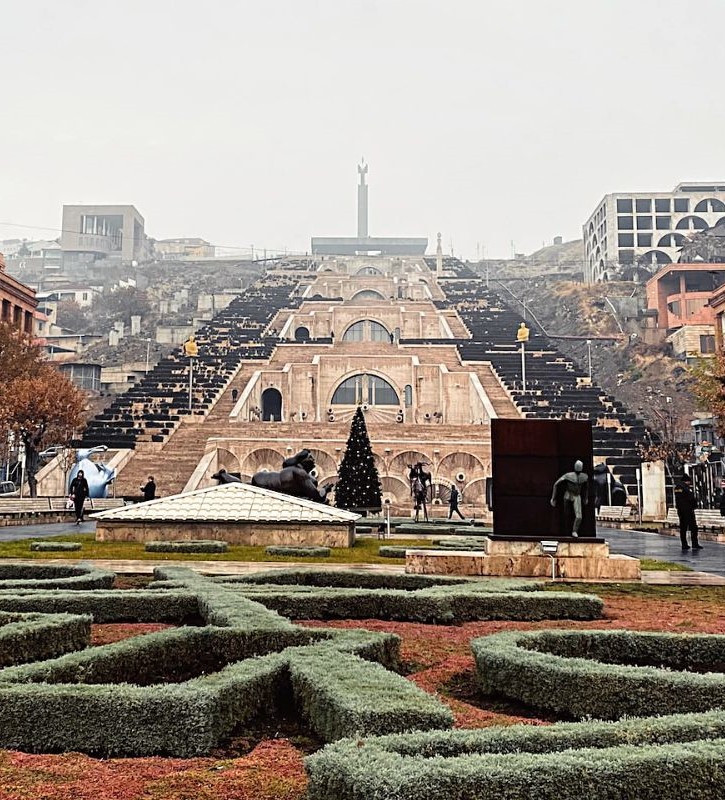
(358, 483)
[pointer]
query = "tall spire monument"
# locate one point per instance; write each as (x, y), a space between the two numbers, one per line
(439, 257)
(362, 201)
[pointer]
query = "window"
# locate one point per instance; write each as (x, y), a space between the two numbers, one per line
(662, 205)
(707, 343)
(378, 332)
(643, 206)
(682, 204)
(625, 240)
(408, 394)
(355, 333)
(624, 206)
(663, 223)
(364, 388)
(644, 240)
(644, 223)
(358, 332)
(625, 223)
(626, 256)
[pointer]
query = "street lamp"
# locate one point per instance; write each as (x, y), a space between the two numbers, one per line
(191, 349)
(148, 351)
(522, 336)
(589, 355)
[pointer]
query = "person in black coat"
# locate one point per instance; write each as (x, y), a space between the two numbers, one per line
(453, 503)
(149, 490)
(79, 491)
(686, 503)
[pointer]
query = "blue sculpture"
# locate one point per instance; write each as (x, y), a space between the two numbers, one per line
(99, 476)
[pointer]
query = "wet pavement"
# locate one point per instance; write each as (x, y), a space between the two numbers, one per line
(708, 564)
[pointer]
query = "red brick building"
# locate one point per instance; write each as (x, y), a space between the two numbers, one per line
(17, 301)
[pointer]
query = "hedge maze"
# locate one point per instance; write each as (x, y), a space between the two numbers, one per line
(236, 654)
(181, 691)
(656, 755)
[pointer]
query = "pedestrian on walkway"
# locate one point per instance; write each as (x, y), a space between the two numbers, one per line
(78, 492)
(453, 503)
(235, 394)
(686, 503)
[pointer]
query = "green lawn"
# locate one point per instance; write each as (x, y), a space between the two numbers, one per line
(668, 566)
(365, 551)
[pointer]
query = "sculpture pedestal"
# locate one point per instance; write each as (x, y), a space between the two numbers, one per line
(575, 559)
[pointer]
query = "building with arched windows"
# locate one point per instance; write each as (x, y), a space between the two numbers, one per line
(635, 233)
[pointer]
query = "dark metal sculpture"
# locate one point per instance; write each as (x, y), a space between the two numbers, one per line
(226, 477)
(419, 482)
(602, 494)
(575, 492)
(294, 479)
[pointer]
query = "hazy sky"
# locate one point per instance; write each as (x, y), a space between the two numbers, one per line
(242, 122)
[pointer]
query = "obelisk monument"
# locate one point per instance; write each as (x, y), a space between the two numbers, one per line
(362, 202)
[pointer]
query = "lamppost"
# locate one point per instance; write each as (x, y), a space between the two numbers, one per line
(148, 351)
(589, 356)
(191, 349)
(522, 336)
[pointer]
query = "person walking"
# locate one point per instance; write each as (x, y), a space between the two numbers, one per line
(453, 503)
(686, 503)
(149, 490)
(235, 394)
(78, 492)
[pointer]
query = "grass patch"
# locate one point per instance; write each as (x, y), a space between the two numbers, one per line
(665, 566)
(365, 551)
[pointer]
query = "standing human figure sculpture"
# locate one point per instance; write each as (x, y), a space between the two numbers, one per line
(418, 491)
(575, 492)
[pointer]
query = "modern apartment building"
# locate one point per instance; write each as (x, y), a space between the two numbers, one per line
(633, 231)
(91, 233)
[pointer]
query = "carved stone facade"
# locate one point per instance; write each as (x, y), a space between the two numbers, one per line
(394, 357)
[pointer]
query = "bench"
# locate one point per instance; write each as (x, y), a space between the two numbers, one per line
(615, 513)
(706, 519)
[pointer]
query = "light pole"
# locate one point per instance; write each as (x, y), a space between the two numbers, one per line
(522, 336)
(589, 356)
(148, 351)
(191, 349)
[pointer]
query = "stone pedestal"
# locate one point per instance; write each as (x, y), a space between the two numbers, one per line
(574, 559)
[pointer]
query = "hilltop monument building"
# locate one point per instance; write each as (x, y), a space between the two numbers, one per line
(363, 243)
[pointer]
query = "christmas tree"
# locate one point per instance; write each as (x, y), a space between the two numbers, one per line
(358, 482)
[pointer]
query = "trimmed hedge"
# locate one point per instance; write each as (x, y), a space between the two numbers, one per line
(475, 600)
(604, 674)
(340, 695)
(54, 547)
(665, 758)
(34, 637)
(54, 576)
(193, 546)
(129, 605)
(301, 551)
(359, 579)
(149, 694)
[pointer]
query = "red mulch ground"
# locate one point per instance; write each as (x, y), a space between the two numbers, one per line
(437, 658)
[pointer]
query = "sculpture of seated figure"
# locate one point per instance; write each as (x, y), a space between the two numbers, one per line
(575, 492)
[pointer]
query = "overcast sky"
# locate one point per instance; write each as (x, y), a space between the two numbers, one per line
(242, 122)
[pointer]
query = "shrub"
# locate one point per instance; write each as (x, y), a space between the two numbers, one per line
(194, 546)
(340, 695)
(34, 637)
(127, 605)
(52, 547)
(473, 600)
(605, 674)
(391, 551)
(664, 758)
(54, 576)
(300, 551)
